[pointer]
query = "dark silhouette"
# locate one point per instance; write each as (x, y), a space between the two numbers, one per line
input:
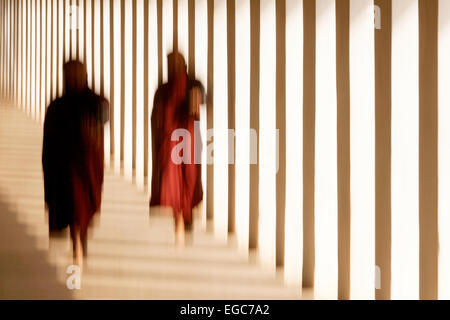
(73, 157)
(176, 106)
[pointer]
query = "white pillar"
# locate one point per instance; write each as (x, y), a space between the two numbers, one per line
(220, 121)
(49, 53)
(128, 76)
(325, 202)
(201, 73)
(183, 29)
(362, 150)
(55, 49)
(74, 26)
(405, 150)
(24, 73)
(29, 55)
(81, 29)
(106, 74)
(167, 33)
(12, 50)
(33, 60)
(268, 152)
(89, 34)
(96, 35)
(117, 84)
(242, 105)
(43, 60)
(294, 144)
(152, 76)
(19, 55)
(38, 62)
(140, 34)
(66, 29)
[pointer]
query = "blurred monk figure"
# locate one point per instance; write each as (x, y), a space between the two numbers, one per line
(176, 177)
(73, 158)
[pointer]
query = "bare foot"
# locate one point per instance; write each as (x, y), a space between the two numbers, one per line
(78, 252)
(78, 261)
(180, 240)
(180, 236)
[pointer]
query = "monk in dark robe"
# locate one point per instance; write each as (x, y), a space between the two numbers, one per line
(177, 184)
(73, 157)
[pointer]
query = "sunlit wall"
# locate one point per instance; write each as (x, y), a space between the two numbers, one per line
(37, 37)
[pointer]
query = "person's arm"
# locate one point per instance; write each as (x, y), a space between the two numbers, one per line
(190, 169)
(156, 124)
(200, 97)
(156, 135)
(105, 110)
(93, 159)
(195, 100)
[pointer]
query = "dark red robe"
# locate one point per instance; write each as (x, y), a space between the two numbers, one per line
(178, 186)
(73, 159)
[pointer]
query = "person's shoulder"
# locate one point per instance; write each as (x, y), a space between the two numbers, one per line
(55, 112)
(190, 123)
(91, 95)
(56, 103)
(54, 106)
(163, 87)
(97, 104)
(159, 98)
(94, 99)
(161, 91)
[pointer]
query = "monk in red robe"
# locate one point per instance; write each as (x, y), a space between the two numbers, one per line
(176, 178)
(73, 157)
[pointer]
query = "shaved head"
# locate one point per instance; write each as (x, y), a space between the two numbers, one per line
(175, 64)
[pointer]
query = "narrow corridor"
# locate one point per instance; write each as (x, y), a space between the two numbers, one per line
(131, 256)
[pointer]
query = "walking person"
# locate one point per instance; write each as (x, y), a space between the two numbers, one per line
(73, 158)
(177, 183)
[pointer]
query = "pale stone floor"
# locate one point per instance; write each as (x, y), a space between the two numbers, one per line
(131, 255)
